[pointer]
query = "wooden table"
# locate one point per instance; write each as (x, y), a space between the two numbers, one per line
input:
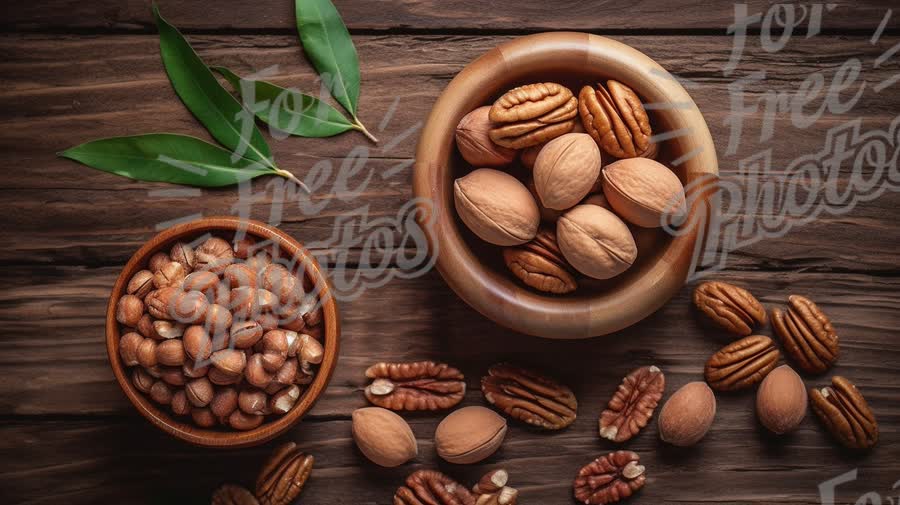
(74, 71)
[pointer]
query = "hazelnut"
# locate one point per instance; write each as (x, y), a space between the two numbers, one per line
(183, 254)
(189, 307)
(214, 255)
(203, 418)
(163, 329)
(244, 302)
(220, 295)
(140, 284)
(224, 402)
(240, 275)
(287, 373)
(145, 326)
(161, 393)
(293, 322)
(190, 369)
(146, 353)
(266, 300)
(253, 401)
(172, 375)
(180, 405)
(157, 261)
(221, 341)
(256, 374)
(155, 371)
(128, 348)
(245, 334)
(259, 261)
(274, 350)
(311, 310)
(230, 361)
(268, 321)
(142, 380)
(199, 392)
(202, 281)
(244, 247)
(129, 310)
(274, 387)
(220, 378)
(293, 342)
(171, 274)
(197, 344)
(170, 352)
(305, 374)
(311, 350)
(218, 319)
(281, 282)
(283, 401)
(241, 421)
(158, 302)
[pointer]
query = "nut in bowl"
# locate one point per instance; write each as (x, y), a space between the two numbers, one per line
(593, 170)
(222, 332)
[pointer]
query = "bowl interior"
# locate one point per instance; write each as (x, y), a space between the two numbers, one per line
(183, 428)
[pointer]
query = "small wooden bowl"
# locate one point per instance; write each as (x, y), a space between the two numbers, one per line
(184, 429)
(474, 270)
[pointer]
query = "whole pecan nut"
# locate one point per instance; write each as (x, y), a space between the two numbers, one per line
(733, 308)
(230, 494)
(529, 396)
(741, 364)
(845, 413)
(429, 487)
(614, 116)
(609, 478)
(807, 334)
(632, 406)
(421, 385)
(533, 114)
(540, 264)
(492, 489)
(283, 475)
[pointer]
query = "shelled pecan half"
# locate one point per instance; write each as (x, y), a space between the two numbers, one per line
(846, 414)
(609, 478)
(615, 117)
(533, 114)
(283, 475)
(540, 264)
(731, 307)
(420, 385)
(632, 406)
(807, 334)
(429, 487)
(529, 396)
(741, 364)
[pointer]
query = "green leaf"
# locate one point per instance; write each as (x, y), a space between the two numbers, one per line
(167, 157)
(289, 110)
(328, 45)
(211, 103)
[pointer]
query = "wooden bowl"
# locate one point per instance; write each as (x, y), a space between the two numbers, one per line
(476, 271)
(184, 428)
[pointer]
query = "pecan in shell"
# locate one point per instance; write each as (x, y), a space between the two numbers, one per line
(741, 364)
(846, 414)
(429, 487)
(421, 385)
(540, 264)
(230, 494)
(533, 114)
(283, 475)
(807, 334)
(609, 478)
(632, 406)
(529, 396)
(614, 116)
(731, 307)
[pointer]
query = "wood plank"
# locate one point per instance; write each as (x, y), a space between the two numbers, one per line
(446, 15)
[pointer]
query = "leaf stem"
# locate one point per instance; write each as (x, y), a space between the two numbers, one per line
(358, 126)
(291, 177)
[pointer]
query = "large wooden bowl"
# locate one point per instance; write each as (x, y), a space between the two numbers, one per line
(476, 272)
(183, 428)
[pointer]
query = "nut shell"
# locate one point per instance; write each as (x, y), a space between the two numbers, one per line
(643, 191)
(474, 141)
(496, 207)
(566, 169)
(688, 415)
(595, 241)
(781, 400)
(383, 436)
(469, 435)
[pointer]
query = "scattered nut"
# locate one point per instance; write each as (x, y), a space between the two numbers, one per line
(781, 400)
(229, 494)
(731, 307)
(530, 396)
(469, 435)
(687, 416)
(845, 413)
(807, 334)
(610, 478)
(383, 436)
(632, 406)
(422, 385)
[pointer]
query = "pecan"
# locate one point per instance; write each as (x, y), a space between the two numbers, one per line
(422, 385)
(733, 308)
(741, 364)
(845, 413)
(616, 119)
(283, 476)
(230, 494)
(609, 478)
(529, 396)
(429, 487)
(632, 406)
(807, 334)
(492, 489)
(540, 264)
(533, 114)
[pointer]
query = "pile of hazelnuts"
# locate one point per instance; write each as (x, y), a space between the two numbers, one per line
(226, 333)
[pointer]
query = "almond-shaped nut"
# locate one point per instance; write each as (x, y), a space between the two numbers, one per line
(142, 380)
(183, 254)
(180, 405)
(202, 281)
(469, 435)
(496, 207)
(781, 400)
(140, 284)
(253, 401)
(199, 392)
(171, 274)
(383, 436)
(595, 241)
(224, 402)
(643, 191)
(170, 352)
(128, 348)
(688, 415)
(229, 361)
(474, 141)
(566, 169)
(239, 275)
(129, 310)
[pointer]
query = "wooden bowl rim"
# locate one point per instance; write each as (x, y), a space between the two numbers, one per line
(502, 299)
(185, 430)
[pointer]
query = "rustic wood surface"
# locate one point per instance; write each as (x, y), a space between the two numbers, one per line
(75, 71)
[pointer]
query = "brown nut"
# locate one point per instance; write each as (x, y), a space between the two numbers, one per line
(491, 482)
(540, 264)
(183, 254)
(128, 348)
(240, 275)
(170, 352)
(311, 350)
(643, 192)
(632, 406)
(565, 170)
(244, 422)
(687, 415)
(171, 274)
(469, 435)
(429, 487)
(283, 401)
(244, 248)
(129, 310)
(807, 334)
(218, 319)
(203, 418)
(161, 393)
(180, 405)
(256, 373)
(533, 114)
(496, 207)
(202, 281)
(229, 361)
(742, 364)
(596, 242)
(140, 284)
(197, 343)
(146, 353)
(845, 413)
(244, 303)
(610, 478)
(165, 330)
(145, 326)
(142, 380)
(529, 156)
(199, 392)
(422, 385)
(224, 401)
(283, 475)
(383, 436)
(474, 140)
(781, 400)
(245, 334)
(191, 370)
(214, 255)
(286, 375)
(729, 306)
(159, 302)
(274, 349)
(253, 401)
(172, 375)
(157, 261)
(278, 280)
(529, 396)
(614, 116)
